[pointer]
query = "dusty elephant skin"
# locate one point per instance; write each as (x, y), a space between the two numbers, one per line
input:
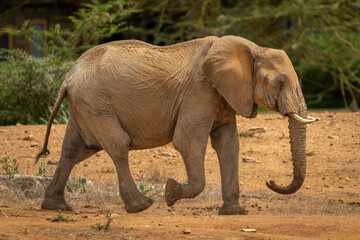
(129, 95)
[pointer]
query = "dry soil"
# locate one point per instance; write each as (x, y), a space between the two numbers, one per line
(326, 207)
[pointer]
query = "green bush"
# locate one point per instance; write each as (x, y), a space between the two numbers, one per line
(29, 85)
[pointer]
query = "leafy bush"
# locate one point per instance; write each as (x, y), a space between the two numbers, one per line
(29, 85)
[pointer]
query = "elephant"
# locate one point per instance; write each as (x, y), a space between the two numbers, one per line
(130, 95)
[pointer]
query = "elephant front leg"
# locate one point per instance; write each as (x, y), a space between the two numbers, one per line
(191, 143)
(224, 140)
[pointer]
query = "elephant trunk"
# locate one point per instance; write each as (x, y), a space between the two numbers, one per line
(298, 144)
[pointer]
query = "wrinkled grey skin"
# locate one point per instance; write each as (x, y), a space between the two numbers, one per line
(129, 95)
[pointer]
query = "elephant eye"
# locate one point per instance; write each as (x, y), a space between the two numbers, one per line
(280, 80)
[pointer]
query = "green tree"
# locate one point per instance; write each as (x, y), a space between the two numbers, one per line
(29, 85)
(321, 37)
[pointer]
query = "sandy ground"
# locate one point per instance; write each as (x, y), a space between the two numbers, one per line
(326, 207)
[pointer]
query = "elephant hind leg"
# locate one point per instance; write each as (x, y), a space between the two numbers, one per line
(74, 150)
(115, 141)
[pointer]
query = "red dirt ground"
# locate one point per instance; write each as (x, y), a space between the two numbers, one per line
(326, 207)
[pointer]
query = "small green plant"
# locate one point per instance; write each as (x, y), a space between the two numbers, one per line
(10, 165)
(77, 184)
(309, 153)
(42, 169)
(105, 226)
(146, 188)
(247, 134)
(60, 218)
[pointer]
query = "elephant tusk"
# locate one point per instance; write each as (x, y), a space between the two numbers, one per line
(312, 118)
(303, 120)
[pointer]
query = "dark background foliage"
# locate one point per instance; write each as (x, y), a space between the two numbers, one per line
(320, 37)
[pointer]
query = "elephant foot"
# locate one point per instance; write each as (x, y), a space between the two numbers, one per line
(140, 203)
(55, 204)
(173, 192)
(233, 209)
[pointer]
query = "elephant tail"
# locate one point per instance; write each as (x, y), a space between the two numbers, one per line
(62, 94)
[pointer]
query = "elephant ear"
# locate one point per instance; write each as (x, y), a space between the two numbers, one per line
(229, 66)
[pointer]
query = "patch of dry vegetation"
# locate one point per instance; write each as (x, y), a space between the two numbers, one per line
(29, 190)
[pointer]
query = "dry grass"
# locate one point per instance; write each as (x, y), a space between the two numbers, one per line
(29, 190)
(155, 173)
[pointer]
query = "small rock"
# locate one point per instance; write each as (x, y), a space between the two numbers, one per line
(173, 213)
(166, 154)
(248, 159)
(257, 129)
(307, 187)
(50, 162)
(347, 179)
(334, 137)
(196, 213)
(34, 144)
(326, 186)
(161, 224)
(186, 231)
(28, 138)
(249, 230)
(341, 186)
(114, 216)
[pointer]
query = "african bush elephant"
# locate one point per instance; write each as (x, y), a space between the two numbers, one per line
(128, 95)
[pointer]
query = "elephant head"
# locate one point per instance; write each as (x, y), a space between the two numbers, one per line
(247, 75)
